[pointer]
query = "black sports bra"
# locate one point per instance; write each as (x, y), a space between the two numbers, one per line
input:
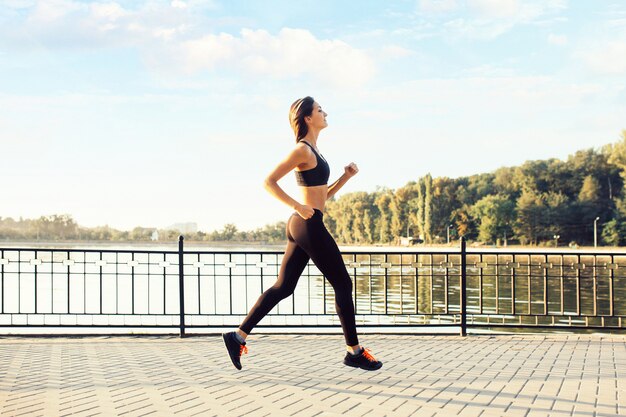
(315, 176)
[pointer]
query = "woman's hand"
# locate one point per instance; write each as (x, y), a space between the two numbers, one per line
(351, 170)
(306, 212)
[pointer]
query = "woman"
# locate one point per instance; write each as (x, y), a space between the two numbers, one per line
(307, 236)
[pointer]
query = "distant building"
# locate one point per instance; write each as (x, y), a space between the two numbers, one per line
(155, 235)
(408, 241)
(184, 228)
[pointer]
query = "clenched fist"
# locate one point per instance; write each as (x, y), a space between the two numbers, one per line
(351, 170)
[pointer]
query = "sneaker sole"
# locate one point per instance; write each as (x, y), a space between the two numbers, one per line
(228, 351)
(353, 365)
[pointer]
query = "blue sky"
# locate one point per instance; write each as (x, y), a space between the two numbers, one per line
(155, 112)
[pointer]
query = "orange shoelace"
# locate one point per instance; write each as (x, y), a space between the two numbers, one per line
(368, 355)
(243, 349)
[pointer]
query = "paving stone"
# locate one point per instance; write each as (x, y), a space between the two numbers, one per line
(472, 411)
(302, 375)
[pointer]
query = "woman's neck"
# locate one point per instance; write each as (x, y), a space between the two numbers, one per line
(311, 137)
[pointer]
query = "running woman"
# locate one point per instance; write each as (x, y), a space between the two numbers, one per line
(307, 237)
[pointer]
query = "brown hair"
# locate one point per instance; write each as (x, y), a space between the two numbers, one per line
(300, 109)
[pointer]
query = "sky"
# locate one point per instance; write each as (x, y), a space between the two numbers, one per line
(149, 113)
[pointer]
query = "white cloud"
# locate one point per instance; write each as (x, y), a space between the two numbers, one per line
(170, 36)
(478, 28)
(437, 6)
(179, 4)
(557, 39)
(605, 58)
(617, 22)
(291, 53)
(395, 51)
(52, 10)
(494, 8)
(491, 71)
(491, 93)
(18, 4)
(57, 24)
(107, 11)
(488, 19)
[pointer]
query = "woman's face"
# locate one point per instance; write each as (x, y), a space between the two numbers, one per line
(317, 119)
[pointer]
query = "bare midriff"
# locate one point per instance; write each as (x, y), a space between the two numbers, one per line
(315, 196)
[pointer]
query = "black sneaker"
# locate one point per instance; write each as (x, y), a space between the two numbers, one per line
(364, 360)
(235, 349)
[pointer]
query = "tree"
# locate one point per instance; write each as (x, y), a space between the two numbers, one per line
(419, 214)
(554, 216)
(529, 209)
(368, 226)
(503, 183)
(384, 224)
(428, 202)
(444, 202)
(228, 232)
(463, 221)
(590, 190)
(614, 232)
(617, 154)
(495, 215)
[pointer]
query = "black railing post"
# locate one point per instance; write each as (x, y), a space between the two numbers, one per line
(181, 285)
(463, 299)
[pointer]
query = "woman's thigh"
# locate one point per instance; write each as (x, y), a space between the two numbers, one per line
(293, 263)
(313, 237)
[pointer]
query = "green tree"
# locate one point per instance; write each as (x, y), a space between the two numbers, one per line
(529, 209)
(614, 232)
(444, 202)
(228, 232)
(368, 226)
(495, 215)
(384, 220)
(428, 202)
(419, 213)
(617, 154)
(590, 190)
(554, 216)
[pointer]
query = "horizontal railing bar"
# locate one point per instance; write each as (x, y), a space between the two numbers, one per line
(89, 250)
(542, 251)
(269, 326)
(201, 326)
(280, 252)
(544, 326)
(242, 315)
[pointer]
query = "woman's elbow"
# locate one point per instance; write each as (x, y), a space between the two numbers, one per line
(269, 183)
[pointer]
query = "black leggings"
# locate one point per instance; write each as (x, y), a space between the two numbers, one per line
(309, 239)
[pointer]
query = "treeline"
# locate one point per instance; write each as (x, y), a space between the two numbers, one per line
(537, 203)
(64, 227)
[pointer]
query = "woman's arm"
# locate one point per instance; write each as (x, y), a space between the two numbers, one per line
(336, 186)
(298, 156)
(350, 171)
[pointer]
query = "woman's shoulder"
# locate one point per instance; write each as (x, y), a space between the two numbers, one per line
(300, 152)
(303, 148)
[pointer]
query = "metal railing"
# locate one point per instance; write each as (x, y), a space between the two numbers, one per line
(189, 289)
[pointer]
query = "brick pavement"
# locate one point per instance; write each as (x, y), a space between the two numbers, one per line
(302, 375)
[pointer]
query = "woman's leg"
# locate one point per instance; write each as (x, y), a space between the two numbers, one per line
(313, 237)
(293, 263)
